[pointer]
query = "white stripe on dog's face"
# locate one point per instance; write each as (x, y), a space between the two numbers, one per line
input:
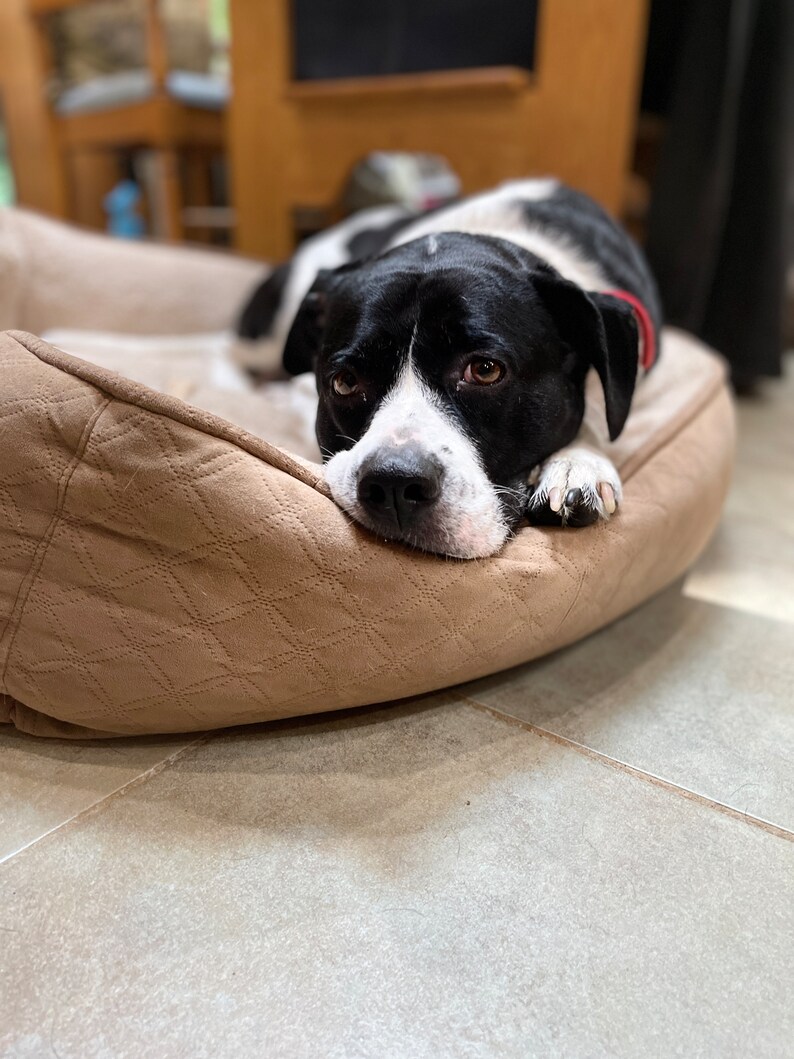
(467, 520)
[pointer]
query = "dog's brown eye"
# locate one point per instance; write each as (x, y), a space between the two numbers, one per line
(483, 371)
(345, 383)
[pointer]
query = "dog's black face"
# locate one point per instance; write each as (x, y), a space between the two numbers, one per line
(447, 369)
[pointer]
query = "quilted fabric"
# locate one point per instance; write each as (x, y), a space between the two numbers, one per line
(162, 570)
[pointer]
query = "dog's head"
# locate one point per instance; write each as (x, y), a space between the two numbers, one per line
(447, 369)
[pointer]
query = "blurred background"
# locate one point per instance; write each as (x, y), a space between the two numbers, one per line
(250, 124)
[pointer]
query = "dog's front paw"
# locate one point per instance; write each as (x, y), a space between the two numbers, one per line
(574, 487)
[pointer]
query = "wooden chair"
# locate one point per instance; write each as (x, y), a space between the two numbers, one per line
(293, 142)
(37, 165)
(170, 128)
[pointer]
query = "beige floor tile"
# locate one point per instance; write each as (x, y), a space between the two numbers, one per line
(765, 424)
(44, 782)
(699, 695)
(412, 883)
(750, 563)
(749, 566)
(763, 493)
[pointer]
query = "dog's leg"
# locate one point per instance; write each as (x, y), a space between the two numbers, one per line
(579, 484)
(576, 486)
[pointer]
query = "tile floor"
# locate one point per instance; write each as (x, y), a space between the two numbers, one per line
(588, 856)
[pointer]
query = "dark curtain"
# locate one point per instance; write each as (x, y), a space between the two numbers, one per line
(717, 227)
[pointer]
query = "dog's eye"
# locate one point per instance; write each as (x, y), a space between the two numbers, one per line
(483, 371)
(345, 383)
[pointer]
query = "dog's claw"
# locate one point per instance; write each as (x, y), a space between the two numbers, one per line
(555, 499)
(607, 494)
(575, 511)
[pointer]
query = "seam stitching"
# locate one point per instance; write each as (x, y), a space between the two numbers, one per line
(137, 395)
(29, 580)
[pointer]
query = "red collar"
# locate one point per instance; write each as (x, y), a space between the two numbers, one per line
(646, 328)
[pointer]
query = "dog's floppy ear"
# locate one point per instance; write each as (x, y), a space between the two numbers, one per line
(618, 358)
(305, 337)
(604, 330)
(306, 334)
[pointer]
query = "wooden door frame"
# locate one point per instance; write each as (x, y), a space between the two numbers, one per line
(575, 114)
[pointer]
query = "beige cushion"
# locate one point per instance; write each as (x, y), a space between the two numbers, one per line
(163, 570)
(54, 275)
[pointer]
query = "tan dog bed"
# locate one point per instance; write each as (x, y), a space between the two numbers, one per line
(162, 569)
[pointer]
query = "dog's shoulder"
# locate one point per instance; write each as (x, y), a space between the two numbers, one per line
(577, 222)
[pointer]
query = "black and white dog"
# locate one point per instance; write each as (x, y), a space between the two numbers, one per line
(451, 351)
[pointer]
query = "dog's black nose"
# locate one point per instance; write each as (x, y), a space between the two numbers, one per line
(396, 489)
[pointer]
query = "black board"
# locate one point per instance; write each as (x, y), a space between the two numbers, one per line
(375, 38)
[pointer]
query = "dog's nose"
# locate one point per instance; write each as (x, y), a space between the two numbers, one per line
(398, 488)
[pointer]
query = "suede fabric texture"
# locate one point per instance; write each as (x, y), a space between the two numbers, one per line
(163, 570)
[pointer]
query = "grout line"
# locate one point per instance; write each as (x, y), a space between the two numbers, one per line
(631, 770)
(99, 804)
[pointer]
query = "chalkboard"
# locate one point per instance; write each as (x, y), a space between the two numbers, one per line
(374, 38)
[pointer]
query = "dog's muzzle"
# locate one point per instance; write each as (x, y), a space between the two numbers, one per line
(399, 489)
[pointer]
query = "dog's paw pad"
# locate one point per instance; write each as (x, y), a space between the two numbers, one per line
(575, 489)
